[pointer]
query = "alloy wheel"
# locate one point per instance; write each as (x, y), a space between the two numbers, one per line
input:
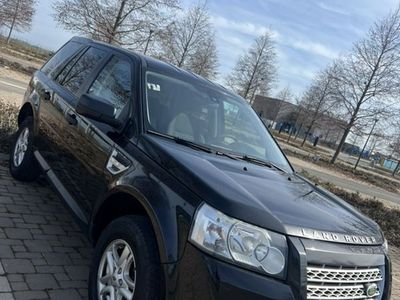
(116, 279)
(21, 146)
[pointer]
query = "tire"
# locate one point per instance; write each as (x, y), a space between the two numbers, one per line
(137, 233)
(26, 169)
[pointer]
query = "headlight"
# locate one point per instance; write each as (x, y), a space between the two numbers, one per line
(385, 246)
(236, 241)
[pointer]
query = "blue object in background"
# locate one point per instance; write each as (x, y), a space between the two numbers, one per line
(390, 164)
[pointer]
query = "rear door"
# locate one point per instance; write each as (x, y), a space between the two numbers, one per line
(44, 88)
(65, 89)
(92, 144)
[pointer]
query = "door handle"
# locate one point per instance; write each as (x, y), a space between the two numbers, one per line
(46, 95)
(71, 118)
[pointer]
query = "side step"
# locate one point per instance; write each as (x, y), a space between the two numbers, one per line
(62, 191)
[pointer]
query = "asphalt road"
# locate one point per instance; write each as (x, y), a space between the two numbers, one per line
(12, 85)
(350, 185)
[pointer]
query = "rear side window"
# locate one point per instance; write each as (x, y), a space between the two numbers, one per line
(82, 69)
(114, 84)
(61, 76)
(54, 65)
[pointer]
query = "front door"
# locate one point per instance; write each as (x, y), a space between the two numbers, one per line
(91, 144)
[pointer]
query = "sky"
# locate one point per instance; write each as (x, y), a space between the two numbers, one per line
(308, 34)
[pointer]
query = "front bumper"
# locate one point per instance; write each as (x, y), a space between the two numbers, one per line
(200, 276)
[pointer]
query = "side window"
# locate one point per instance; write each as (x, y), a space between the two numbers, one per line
(61, 76)
(114, 84)
(54, 65)
(82, 69)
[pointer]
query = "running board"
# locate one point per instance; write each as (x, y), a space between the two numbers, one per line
(62, 191)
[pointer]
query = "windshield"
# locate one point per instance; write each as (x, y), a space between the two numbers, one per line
(209, 117)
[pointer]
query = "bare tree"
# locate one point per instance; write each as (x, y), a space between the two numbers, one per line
(255, 71)
(206, 62)
(356, 134)
(299, 119)
(189, 42)
(394, 144)
(17, 15)
(122, 22)
(378, 140)
(319, 98)
(395, 147)
(370, 74)
(285, 95)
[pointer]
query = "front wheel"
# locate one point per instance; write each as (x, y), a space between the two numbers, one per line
(126, 263)
(23, 164)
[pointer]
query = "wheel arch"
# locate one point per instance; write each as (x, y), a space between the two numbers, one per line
(28, 110)
(122, 201)
(25, 111)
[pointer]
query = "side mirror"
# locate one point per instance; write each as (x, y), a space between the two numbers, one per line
(96, 109)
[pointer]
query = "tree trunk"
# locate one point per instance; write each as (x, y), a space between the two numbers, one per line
(365, 145)
(306, 136)
(347, 130)
(13, 22)
(252, 97)
(277, 112)
(290, 133)
(255, 69)
(186, 47)
(340, 146)
(298, 131)
(307, 133)
(295, 126)
(183, 56)
(113, 33)
(281, 128)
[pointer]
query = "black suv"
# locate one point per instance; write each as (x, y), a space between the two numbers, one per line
(182, 189)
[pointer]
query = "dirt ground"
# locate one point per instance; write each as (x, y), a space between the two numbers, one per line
(8, 73)
(21, 60)
(10, 96)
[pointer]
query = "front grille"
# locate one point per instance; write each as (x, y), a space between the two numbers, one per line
(333, 283)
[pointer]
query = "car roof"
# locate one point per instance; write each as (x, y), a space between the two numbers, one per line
(160, 66)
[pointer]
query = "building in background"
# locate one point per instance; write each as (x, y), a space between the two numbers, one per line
(285, 116)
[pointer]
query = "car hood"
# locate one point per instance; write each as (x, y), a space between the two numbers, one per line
(262, 196)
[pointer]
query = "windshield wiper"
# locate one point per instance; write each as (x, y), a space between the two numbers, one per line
(196, 146)
(258, 161)
(183, 142)
(191, 144)
(220, 153)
